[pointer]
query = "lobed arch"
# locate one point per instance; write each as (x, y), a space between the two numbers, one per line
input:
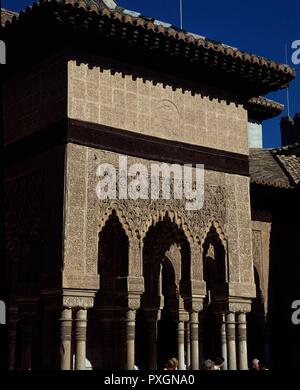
(223, 240)
(121, 214)
(174, 217)
(215, 224)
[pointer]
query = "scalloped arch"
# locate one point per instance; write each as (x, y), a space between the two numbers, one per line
(213, 223)
(121, 216)
(174, 217)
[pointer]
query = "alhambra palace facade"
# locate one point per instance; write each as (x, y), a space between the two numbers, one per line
(122, 282)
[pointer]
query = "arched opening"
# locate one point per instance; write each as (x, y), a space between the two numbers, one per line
(215, 276)
(166, 337)
(166, 269)
(105, 341)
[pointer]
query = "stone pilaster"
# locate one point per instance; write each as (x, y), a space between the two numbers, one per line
(65, 338)
(242, 341)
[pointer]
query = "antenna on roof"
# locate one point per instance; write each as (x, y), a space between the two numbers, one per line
(181, 14)
(287, 90)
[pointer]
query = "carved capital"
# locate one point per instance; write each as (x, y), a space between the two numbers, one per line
(194, 305)
(133, 303)
(239, 307)
(78, 302)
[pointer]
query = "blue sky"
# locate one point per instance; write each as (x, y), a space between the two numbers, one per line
(262, 27)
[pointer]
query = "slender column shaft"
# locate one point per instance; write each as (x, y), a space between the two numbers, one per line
(130, 339)
(152, 326)
(242, 341)
(80, 337)
(194, 340)
(187, 345)
(223, 341)
(180, 341)
(231, 340)
(65, 339)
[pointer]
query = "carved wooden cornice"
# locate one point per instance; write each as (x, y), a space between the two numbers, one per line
(142, 40)
(260, 108)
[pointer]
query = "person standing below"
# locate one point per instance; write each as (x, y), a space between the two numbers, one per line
(172, 364)
(208, 365)
(255, 364)
(219, 363)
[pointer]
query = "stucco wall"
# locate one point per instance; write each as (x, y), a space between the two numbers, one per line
(125, 97)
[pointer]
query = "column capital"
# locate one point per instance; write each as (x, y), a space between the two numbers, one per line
(78, 302)
(194, 305)
(239, 307)
(133, 302)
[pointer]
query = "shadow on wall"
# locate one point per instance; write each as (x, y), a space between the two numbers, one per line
(257, 337)
(284, 284)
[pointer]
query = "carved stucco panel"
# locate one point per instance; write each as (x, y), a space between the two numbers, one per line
(222, 203)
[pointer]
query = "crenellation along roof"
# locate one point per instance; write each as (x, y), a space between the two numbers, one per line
(225, 65)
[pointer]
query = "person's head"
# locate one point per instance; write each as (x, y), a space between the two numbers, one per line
(255, 364)
(209, 365)
(172, 364)
(219, 362)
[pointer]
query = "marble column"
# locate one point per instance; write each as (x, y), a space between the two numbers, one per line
(231, 341)
(194, 340)
(130, 339)
(180, 343)
(80, 338)
(65, 339)
(187, 345)
(242, 341)
(223, 340)
(12, 337)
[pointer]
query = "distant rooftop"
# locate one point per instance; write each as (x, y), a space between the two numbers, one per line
(7, 15)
